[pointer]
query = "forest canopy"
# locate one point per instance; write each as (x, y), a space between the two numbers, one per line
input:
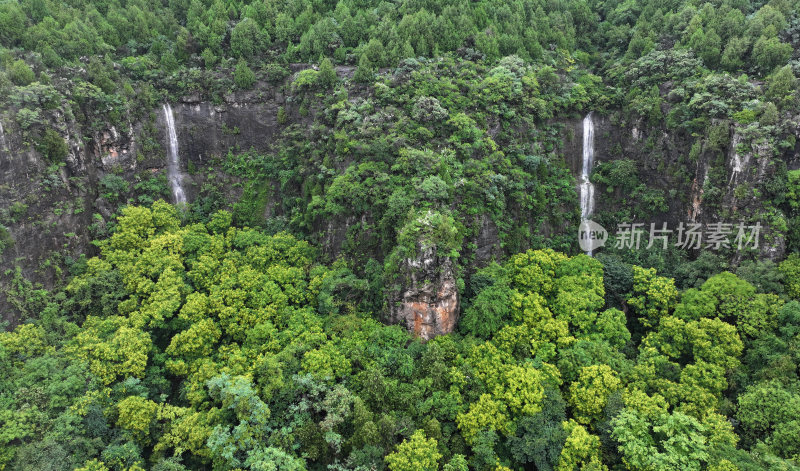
(403, 142)
(186, 346)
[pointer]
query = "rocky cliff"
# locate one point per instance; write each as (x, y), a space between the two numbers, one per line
(53, 211)
(701, 179)
(428, 302)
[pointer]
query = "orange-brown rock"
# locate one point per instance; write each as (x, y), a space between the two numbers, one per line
(428, 302)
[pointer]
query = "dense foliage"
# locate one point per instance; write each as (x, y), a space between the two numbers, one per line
(726, 35)
(473, 83)
(241, 331)
(187, 346)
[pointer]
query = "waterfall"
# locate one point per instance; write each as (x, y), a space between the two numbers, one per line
(3, 145)
(587, 188)
(173, 164)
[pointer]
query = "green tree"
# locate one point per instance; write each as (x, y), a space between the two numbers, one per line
(20, 73)
(791, 267)
(457, 463)
(589, 395)
(12, 24)
(168, 62)
(686, 362)
(769, 53)
(375, 52)
(327, 74)
(707, 46)
(653, 296)
(581, 449)
(488, 312)
(733, 300)
(417, 453)
(670, 442)
(53, 147)
(782, 87)
(733, 57)
(539, 438)
(769, 412)
(247, 39)
(364, 72)
(243, 76)
(407, 51)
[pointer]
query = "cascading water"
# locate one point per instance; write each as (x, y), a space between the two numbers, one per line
(587, 188)
(173, 164)
(3, 145)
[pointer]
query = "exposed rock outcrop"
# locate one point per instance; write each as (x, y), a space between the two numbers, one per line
(427, 305)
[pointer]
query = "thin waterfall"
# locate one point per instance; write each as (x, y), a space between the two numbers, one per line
(3, 145)
(587, 188)
(174, 164)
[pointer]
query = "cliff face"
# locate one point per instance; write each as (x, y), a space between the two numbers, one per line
(53, 212)
(427, 304)
(50, 213)
(700, 181)
(44, 209)
(206, 130)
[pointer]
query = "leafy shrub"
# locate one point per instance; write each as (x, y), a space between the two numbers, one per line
(5, 238)
(53, 147)
(27, 118)
(17, 210)
(428, 109)
(744, 116)
(305, 80)
(243, 76)
(152, 189)
(36, 95)
(793, 190)
(113, 187)
(20, 73)
(209, 58)
(433, 188)
(621, 174)
(276, 73)
(428, 229)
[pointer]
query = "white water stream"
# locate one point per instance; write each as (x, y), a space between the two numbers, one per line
(3, 145)
(587, 188)
(174, 164)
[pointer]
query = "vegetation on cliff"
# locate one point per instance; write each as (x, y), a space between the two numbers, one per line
(412, 145)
